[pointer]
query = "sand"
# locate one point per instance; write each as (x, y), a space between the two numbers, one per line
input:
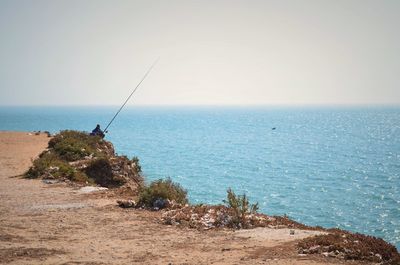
(58, 224)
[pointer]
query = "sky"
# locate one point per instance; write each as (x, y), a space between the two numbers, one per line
(314, 52)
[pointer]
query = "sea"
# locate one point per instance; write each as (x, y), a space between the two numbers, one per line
(326, 166)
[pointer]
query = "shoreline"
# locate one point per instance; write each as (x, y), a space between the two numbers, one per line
(57, 222)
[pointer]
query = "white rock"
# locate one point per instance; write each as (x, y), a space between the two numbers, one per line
(89, 189)
(50, 181)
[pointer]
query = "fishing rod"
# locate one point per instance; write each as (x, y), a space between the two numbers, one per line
(137, 86)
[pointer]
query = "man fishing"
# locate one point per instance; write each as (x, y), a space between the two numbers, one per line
(97, 131)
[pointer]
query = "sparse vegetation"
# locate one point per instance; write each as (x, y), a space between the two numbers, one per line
(351, 246)
(135, 161)
(162, 189)
(219, 216)
(74, 145)
(82, 158)
(50, 165)
(241, 208)
(237, 213)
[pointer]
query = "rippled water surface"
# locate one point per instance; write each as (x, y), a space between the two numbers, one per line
(334, 167)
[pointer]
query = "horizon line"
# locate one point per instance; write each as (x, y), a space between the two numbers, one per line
(212, 105)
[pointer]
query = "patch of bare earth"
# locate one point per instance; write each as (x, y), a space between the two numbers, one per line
(10, 254)
(57, 224)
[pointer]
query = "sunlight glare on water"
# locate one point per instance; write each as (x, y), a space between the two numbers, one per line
(334, 167)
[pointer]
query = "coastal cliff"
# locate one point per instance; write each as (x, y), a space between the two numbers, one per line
(57, 222)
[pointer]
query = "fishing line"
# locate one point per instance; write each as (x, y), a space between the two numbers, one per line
(137, 86)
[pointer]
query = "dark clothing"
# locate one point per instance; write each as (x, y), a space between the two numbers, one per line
(97, 132)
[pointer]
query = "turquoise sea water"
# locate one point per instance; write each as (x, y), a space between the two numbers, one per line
(334, 167)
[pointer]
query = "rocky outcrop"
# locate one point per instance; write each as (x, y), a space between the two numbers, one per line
(81, 158)
(220, 216)
(350, 246)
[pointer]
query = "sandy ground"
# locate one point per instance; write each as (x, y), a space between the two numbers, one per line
(56, 224)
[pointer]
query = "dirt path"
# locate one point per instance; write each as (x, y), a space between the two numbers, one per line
(56, 224)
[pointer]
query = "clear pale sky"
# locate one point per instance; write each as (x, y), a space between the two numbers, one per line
(79, 52)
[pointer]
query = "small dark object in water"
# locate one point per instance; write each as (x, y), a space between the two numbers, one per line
(273, 128)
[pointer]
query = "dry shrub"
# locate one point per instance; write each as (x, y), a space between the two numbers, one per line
(240, 207)
(100, 170)
(219, 216)
(352, 246)
(162, 189)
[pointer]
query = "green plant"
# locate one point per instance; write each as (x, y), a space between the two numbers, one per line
(240, 207)
(41, 165)
(162, 189)
(74, 145)
(50, 165)
(135, 160)
(79, 176)
(80, 157)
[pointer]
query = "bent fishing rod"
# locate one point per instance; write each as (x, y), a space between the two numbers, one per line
(126, 101)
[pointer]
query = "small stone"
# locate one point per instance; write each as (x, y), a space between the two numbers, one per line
(89, 189)
(49, 181)
(341, 255)
(53, 169)
(325, 248)
(303, 251)
(291, 232)
(127, 204)
(314, 249)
